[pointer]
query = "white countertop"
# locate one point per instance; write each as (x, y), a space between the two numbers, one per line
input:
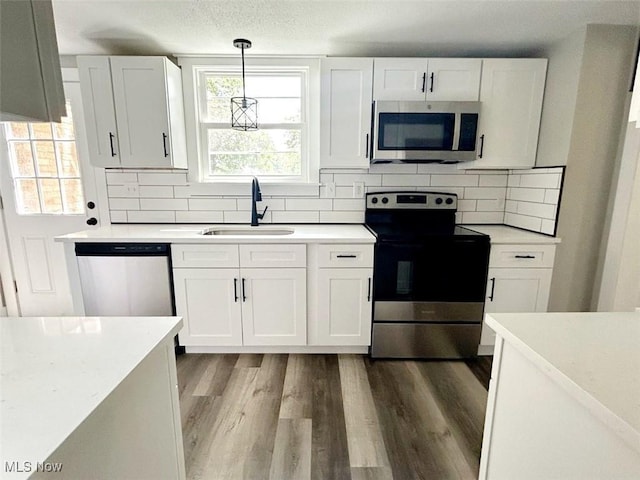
(595, 357)
(170, 233)
(56, 370)
(507, 234)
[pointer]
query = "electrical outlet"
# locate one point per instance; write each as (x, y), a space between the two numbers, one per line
(131, 188)
(358, 189)
(329, 190)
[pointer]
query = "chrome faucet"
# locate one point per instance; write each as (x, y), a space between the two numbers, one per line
(256, 196)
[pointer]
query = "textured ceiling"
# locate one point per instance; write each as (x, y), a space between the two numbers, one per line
(347, 27)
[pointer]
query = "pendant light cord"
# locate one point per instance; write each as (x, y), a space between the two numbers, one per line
(243, 88)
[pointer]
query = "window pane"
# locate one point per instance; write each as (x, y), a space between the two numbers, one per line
(278, 110)
(45, 159)
(27, 196)
(17, 130)
(51, 199)
(68, 159)
(72, 196)
(273, 86)
(41, 130)
(22, 159)
(64, 129)
(264, 152)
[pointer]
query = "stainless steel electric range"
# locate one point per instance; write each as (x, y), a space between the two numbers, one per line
(430, 277)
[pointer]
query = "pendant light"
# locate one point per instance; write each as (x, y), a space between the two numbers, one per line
(244, 111)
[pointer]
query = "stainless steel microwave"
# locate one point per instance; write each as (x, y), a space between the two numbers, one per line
(414, 132)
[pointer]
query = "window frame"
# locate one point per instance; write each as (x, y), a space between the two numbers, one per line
(193, 67)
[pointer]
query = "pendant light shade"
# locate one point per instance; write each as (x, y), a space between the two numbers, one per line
(244, 110)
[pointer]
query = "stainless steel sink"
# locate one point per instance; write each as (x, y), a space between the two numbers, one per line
(241, 231)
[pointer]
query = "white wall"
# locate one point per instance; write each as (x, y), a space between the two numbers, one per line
(605, 72)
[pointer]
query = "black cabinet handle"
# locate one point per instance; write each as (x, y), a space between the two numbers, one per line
(346, 256)
(481, 145)
(244, 296)
(366, 155)
(235, 290)
(493, 288)
(424, 80)
(525, 256)
(431, 87)
(111, 137)
(164, 144)
(92, 221)
(369, 291)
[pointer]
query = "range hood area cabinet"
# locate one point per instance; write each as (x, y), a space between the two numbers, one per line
(30, 77)
(511, 92)
(430, 79)
(345, 112)
(133, 111)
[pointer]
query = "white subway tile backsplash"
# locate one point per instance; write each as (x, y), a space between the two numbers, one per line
(394, 168)
(344, 180)
(454, 180)
(212, 204)
(541, 210)
(552, 196)
(514, 180)
(482, 217)
(162, 178)
(151, 216)
(164, 204)
(342, 217)
(198, 216)
(526, 194)
(124, 204)
(484, 192)
(442, 168)
(308, 204)
(272, 203)
(120, 178)
(405, 180)
(118, 216)
(295, 217)
(122, 191)
(511, 206)
(548, 226)
(467, 205)
(349, 204)
(231, 216)
(522, 221)
(540, 180)
(347, 192)
(493, 180)
(155, 191)
(493, 205)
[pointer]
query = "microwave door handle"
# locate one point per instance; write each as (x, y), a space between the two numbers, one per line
(456, 132)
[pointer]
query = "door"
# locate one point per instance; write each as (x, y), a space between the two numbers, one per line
(399, 79)
(453, 79)
(274, 306)
(209, 301)
(345, 112)
(48, 189)
(344, 306)
(139, 91)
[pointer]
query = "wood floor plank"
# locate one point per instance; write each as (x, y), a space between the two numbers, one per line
(371, 473)
(249, 360)
(203, 386)
(329, 448)
(292, 450)
(364, 437)
(481, 368)
(197, 427)
(297, 392)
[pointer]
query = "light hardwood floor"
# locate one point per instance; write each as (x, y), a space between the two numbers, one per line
(331, 417)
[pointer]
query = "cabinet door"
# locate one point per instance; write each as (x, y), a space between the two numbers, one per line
(140, 94)
(514, 290)
(274, 306)
(345, 112)
(511, 93)
(344, 306)
(99, 111)
(453, 79)
(399, 79)
(209, 301)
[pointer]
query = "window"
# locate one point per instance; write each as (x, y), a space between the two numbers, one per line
(44, 166)
(284, 148)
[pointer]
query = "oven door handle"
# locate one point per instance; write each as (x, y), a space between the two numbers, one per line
(493, 288)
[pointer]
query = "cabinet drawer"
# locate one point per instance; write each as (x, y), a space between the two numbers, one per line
(522, 256)
(273, 255)
(348, 256)
(203, 256)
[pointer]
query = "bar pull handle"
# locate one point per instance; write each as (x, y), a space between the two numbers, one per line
(481, 145)
(244, 292)
(366, 155)
(525, 256)
(424, 81)
(111, 137)
(369, 291)
(342, 255)
(164, 144)
(235, 290)
(431, 87)
(493, 288)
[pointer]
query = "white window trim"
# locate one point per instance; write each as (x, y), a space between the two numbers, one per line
(237, 185)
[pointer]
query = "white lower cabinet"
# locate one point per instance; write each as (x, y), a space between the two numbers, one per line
(522, 287)
(344, 313)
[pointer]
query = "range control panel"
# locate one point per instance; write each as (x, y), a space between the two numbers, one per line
(413, 200)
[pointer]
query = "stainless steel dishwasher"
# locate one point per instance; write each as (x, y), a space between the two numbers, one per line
(125, 279)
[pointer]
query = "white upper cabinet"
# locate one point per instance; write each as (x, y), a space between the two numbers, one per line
(345, 109)
(134, 112)
(435, 79)
(511, 94)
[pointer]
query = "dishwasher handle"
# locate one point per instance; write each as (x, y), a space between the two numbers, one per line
(122, 249)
